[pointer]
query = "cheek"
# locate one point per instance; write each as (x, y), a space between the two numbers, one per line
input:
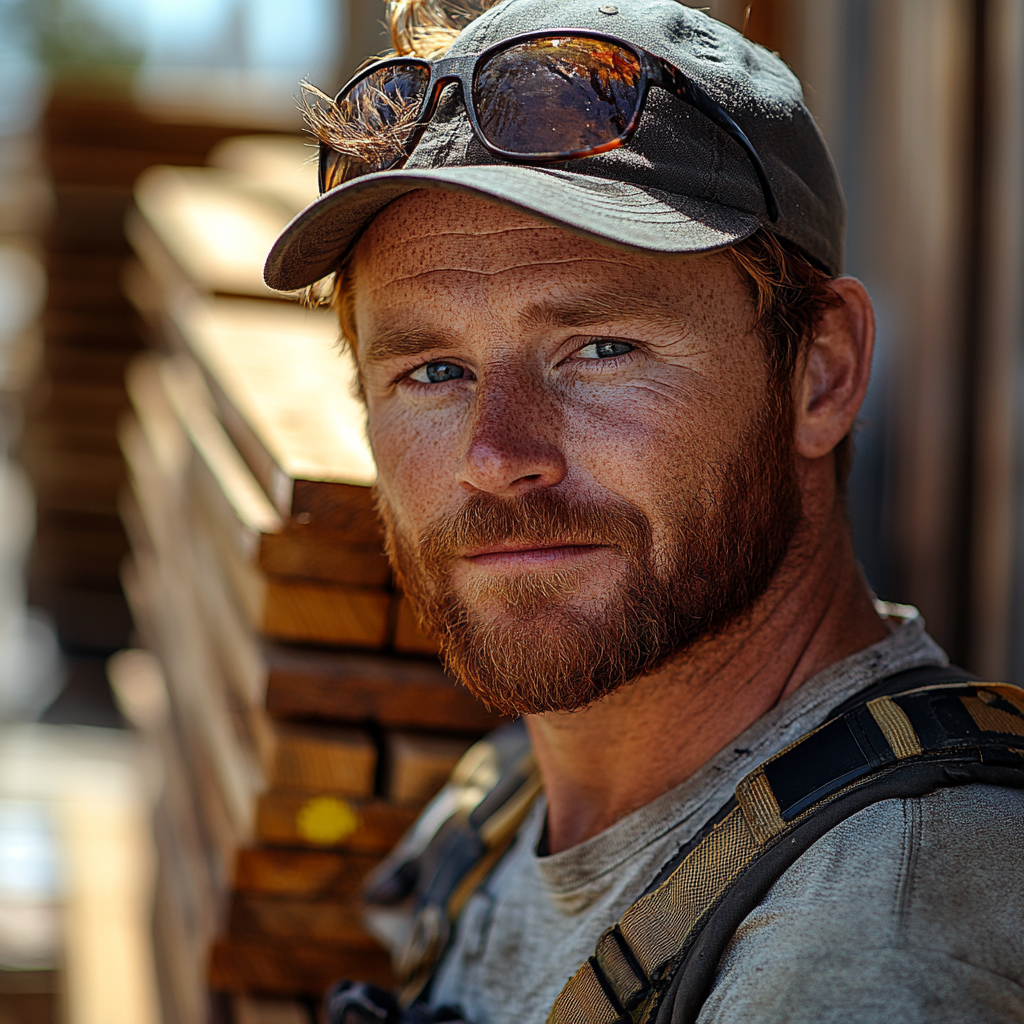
(638, 437)
(658, 443)
(416, 462)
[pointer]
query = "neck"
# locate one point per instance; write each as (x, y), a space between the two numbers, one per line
(602, 763)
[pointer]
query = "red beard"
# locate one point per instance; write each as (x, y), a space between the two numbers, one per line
(545, 654)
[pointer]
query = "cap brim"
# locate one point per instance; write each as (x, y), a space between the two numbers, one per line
(644, 219)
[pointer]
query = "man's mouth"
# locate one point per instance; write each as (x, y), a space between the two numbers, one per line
(527, 554)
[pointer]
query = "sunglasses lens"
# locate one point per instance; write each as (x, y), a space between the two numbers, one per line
(371, 124)
(557, 96)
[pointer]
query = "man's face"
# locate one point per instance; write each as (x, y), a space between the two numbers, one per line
(583, 467)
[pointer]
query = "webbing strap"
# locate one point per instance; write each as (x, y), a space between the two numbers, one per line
(955, 727)
(450, 851)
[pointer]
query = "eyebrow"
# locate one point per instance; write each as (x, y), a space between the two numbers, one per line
(402, 342)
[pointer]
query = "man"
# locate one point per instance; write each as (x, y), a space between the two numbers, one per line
(587, 263)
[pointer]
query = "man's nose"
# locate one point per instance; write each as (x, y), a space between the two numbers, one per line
(513, 442)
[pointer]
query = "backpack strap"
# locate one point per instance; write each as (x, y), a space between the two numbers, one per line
(909, 735)
(416, 895)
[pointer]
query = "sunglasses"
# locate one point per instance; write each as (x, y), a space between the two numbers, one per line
(541, 97)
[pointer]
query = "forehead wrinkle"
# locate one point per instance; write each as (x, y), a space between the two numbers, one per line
(476, 271)
(432, 236)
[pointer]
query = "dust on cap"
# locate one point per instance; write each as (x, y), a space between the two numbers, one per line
(680, 185)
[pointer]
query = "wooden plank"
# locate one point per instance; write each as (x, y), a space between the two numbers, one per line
(295, 819)
(108, 865)
(281, 919)
(324, 874)
(164, 591)
(317, 612)
(228, 624)
(280, 370)
(409, 638)
(324, 555)
(285, 609)
(322, 759)
(418, 766)
(397, 692)
(285, 392)
(224, 766)
(352, 556)
(295, 968)
(216, 228)
(187, 395)
(248, 1009)
(333, 506)
(278, 165)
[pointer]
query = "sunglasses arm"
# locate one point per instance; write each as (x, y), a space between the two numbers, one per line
(678, 84)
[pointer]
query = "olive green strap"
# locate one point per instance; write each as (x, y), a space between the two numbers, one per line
(931, 736)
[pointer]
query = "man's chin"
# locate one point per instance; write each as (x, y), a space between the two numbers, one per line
(531, 662)
(534, 618)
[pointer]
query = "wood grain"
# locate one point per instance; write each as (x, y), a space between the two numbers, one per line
(278, 369)
(337, 507)
(417, 766)
(348, 617)
(291, 819)
(409, 638)
(215, 229)
(273, 871)
(330, 922)
(323, 555)
(397, 692)
(292, 968)
(248, 1009)
(321, 759)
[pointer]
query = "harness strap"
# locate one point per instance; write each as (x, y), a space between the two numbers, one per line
(658, 962)
(449, 852)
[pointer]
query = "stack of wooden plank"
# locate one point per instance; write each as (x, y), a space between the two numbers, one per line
(311, 719)
(95, 144)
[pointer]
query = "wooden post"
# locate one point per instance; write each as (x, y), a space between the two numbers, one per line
(997, 334)
(922, 180)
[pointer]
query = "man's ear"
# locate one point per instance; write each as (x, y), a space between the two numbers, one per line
(834, 378)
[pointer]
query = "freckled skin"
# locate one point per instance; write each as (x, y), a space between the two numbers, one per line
(445, 278)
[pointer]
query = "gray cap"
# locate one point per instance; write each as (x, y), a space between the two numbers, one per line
(681, 184)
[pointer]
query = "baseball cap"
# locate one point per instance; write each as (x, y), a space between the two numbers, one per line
(680, 185)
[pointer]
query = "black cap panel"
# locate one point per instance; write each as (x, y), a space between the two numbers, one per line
(631, 217)
(678, 163)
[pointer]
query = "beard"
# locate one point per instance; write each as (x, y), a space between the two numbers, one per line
(527, 643)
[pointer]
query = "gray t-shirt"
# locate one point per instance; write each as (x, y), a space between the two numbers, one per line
(910, 911)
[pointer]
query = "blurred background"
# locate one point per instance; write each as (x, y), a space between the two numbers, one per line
(170, 492)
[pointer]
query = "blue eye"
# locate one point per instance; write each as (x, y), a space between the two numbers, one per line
(437, 373)
(604, 348)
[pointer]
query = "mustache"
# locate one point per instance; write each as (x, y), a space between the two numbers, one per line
(543, 517)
